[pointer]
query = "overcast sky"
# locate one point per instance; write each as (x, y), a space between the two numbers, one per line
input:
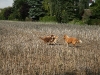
(5, 3)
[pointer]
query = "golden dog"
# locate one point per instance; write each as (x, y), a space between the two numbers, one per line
(71, 40)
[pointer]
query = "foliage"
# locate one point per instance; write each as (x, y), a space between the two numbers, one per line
(48, 19)
(22, 8)
(28, 19)
(18, 11)
(96, 10)
(69, 10)
(36, 10)
(5, 13)
(14, 16)
(65, 11)
(93, 22)
(62, 11)
(77, 22)
(47, 6)
(64, 17)
(83, 4)
(2, 14)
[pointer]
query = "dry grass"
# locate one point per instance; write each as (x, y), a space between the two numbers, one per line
(23, 53)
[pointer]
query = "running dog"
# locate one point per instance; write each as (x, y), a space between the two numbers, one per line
(71, 40)
(49, 39)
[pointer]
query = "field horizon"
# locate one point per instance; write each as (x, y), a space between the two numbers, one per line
(23, 53)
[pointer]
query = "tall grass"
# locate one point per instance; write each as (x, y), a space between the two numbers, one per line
(23, 53)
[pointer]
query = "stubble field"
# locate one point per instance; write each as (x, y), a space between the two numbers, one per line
(23, 53)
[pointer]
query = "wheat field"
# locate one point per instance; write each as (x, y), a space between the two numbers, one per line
(23, 53)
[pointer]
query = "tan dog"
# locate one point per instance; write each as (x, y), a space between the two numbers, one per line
(49, 39)
(71, 40)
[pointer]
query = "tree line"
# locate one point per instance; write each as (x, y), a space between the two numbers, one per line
(62, 11)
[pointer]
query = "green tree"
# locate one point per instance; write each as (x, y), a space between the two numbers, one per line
(22, 8)
(70, 10)
(36, 10)
(95, 8)
(83, 4)
(64, 10)
(49, 6)
(5, 13)
(2, 14)
(94, 19)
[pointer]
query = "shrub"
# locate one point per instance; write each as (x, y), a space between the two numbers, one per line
(5, 13)
(48, 19)
(77, 22)
(94, 22)
(28, 19)
(14, 16)
(2, 14)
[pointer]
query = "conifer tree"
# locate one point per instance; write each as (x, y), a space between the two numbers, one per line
(36, 10)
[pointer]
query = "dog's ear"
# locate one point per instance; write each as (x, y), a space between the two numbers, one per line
(52, 35)
(56, 36)
(64, 35)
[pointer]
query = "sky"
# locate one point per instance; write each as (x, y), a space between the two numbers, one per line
(5, 3)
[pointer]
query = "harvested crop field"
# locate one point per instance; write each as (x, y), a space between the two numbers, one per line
(23, 53)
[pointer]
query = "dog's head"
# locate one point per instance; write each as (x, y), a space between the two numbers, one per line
(65, 36)
(53, 36)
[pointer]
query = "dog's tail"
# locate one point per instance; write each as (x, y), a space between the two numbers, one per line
(80, 41)
(56, 37)
(41, 38)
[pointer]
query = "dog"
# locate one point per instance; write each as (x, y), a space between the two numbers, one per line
(49, 39)
(71, 40)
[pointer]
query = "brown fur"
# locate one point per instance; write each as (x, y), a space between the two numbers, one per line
(49, 39)
(71, 40)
